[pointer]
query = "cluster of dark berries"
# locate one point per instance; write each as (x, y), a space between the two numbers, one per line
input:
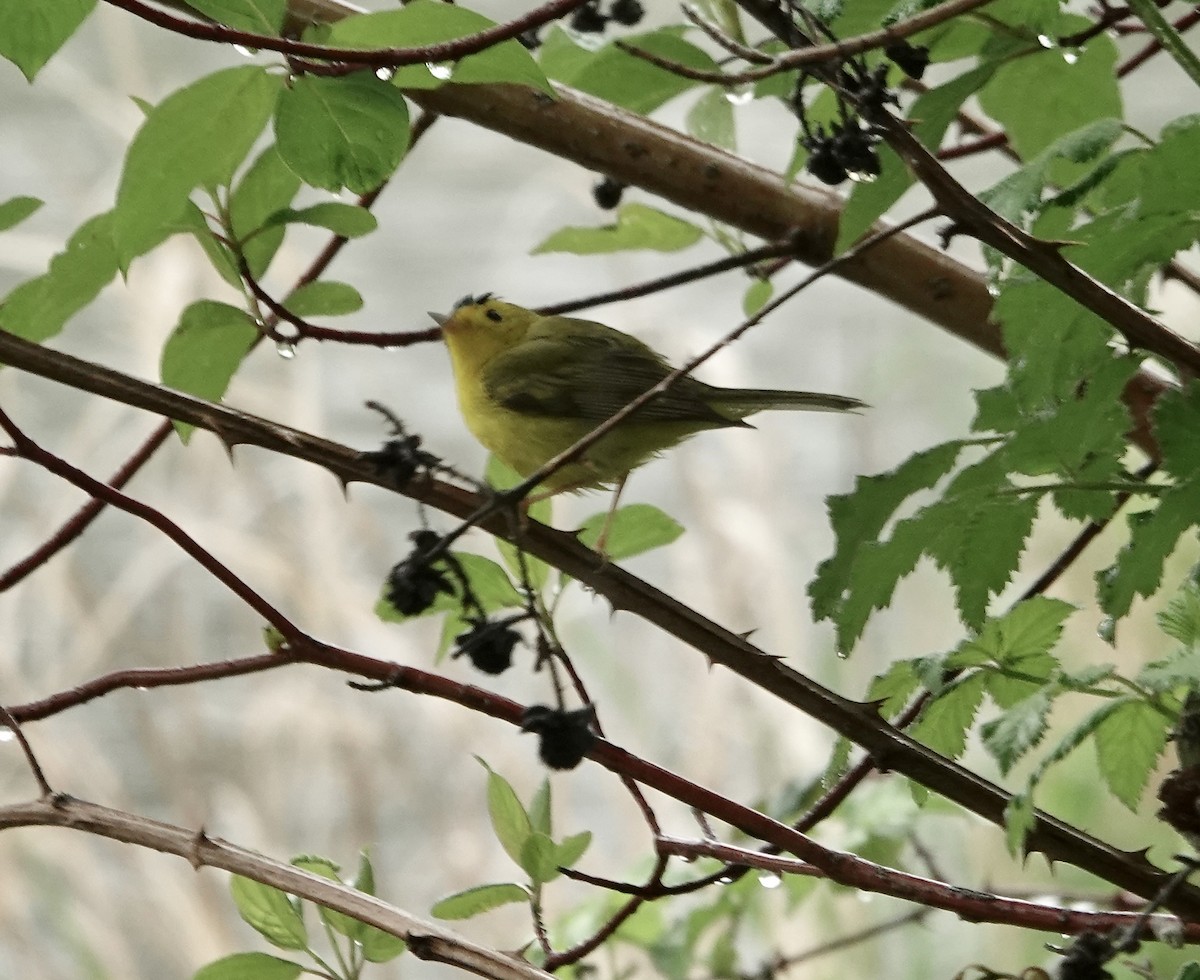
(1084, 959)
(413, 584)
(606, 192)
(590, 19)
(912, 59)
(847, 150)
(564, 737)
(489, 644)
(400, 459)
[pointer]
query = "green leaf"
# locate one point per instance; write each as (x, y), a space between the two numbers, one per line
(1176, 422)
(637, 226)
(424, 22)
(635, 529)
(1128, 743)
(539, 809)
(347, 132)
(1153, 536)
(1169, 183)
(539, 858)
(1029, 630)
(1018, 730)
(945, 722)
(249, 966)
(364, 879)
(379, 946)
(205, 349)
(272, 913)
(33, 32)
(489, 582)
(1180, 619)
(1189, 971)
(1020, 641)
(195, 137)
(931, 115)
(571, 849)
(509, 819)
(337, 921)
(710, 120)
(324, 298)
(347, 220)
(38, 309)
(980, 545)
(863, 570)
(1085, 90)
(1019, 820)
(257, 16)
(17, 209)
(621, 78)
(266, 187)
(477, 900)
(893, 689)
(758, 293)
(1020, 193)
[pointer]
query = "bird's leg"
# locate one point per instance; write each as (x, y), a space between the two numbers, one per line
(602, 540)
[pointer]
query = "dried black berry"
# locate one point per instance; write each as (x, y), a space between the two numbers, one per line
(400, 459)
(606, 192)
(564, 737)
(823, 163)
(1085, 958)
(626, 12)
(854, 148)
(588, 19)
(413, 584)
(911, 59)
(488, 645)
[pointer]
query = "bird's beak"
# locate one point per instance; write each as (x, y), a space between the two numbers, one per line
(439, 318)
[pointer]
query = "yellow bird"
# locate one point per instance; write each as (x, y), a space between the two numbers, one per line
(531, 386)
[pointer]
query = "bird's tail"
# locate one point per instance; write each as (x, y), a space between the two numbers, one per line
(737, 403)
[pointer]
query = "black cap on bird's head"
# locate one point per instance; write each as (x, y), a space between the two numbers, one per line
(468, 300)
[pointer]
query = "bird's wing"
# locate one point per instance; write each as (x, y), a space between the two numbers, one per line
(591, 374)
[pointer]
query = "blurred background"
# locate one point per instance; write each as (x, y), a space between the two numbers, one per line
(293, 761)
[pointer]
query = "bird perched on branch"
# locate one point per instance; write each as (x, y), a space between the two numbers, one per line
(531, 386)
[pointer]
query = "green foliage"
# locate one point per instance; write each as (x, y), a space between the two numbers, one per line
(17, 209)
(258, 16)
(279, 919)
(620, 78)
(197, 137)
(33, 32)
(632, 530)
(249, 966)
(205, 350)
(270, 912)
(39, 308)
(347, 132)
(425, 22)
(637, 226)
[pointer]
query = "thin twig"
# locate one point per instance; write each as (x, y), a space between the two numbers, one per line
(366, 58)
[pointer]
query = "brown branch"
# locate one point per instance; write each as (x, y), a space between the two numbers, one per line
(367, 57)
(31, 451)
(811, 55)
(1136, 60)
(860, 723)
(426, 940)
(83, 517)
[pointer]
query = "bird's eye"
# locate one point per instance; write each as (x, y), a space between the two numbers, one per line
(494, 316)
